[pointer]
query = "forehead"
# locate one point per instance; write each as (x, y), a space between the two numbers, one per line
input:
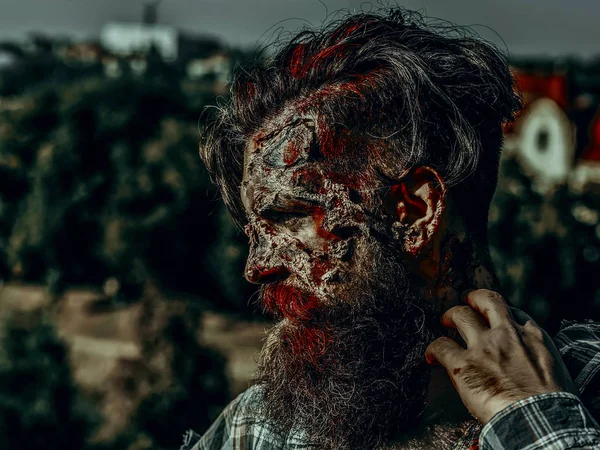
(300, 140)
(305, 154)
(283, 142)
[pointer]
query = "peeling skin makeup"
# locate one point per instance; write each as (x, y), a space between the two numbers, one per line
(370, 157)
(345, 359)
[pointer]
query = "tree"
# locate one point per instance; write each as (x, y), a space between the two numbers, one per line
(40, 407)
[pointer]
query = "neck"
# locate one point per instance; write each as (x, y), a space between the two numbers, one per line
(462, 266)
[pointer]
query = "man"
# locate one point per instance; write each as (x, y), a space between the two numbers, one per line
(361, 161)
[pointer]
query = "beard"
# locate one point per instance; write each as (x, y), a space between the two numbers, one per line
(349, 372)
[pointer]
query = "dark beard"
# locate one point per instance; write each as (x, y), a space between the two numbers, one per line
(353, 375)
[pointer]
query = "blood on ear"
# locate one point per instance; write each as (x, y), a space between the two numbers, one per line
(417, 205)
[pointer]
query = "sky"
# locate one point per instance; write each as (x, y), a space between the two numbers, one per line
(526, 27)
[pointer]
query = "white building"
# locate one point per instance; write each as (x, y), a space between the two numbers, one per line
(544, 143)
(7, 59)
(124, 38)
(543, 138)
(218, 65)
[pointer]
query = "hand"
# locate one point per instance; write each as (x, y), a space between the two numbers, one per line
(508, 357)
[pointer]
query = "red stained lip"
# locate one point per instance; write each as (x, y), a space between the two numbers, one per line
(288, 302)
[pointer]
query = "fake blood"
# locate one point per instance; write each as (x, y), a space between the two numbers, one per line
(319, 217)
(291, 154)
(334, 143)
(319, 269)
(310, 180)
(475, 444)
(296, 61)
(299, 66)
(306, 340)
(289, 302)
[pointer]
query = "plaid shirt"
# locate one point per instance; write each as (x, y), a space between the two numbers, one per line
(557, 420)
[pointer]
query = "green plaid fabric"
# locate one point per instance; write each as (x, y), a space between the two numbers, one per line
(555, 421)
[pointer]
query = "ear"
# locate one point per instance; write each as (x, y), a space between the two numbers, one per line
(417, 205)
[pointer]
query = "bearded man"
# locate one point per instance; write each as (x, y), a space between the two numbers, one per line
(361, 161)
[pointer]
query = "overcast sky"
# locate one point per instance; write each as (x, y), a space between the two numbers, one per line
(541, 27)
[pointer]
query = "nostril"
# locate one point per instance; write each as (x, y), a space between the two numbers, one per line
(266, 275)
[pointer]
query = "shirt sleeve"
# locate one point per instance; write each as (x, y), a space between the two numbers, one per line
(555, 420)
(217, 437)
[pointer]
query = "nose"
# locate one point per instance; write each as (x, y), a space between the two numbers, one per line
(265, 263)
(265, 275)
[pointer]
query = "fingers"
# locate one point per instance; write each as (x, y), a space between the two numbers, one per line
(490, 304)
(468, 322)
(444, 351)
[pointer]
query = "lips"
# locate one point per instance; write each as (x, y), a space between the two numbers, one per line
(287, 302)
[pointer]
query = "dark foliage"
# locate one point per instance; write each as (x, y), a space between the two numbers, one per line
(40, 407)
(546, 248)
(96, 175)
(196, 395)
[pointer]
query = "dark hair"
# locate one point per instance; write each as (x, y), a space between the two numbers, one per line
(438, 94)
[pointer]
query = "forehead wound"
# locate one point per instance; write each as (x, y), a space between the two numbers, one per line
(281, 148)
(286, 144)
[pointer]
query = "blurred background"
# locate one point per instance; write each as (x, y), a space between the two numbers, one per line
(124, 318)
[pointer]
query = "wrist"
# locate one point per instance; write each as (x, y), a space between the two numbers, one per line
(557, 417)
(497, 405)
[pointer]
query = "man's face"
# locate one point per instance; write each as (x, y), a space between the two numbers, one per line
(309, 225)
(344, 363)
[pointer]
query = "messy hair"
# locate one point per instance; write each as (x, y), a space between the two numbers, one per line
(437, 94)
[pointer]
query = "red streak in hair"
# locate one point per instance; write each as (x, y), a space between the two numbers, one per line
(250, 88)
(296, 62)
(351, 29)
(299, 69)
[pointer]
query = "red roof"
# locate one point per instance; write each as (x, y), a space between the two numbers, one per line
(552, 86)
(534, 86)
